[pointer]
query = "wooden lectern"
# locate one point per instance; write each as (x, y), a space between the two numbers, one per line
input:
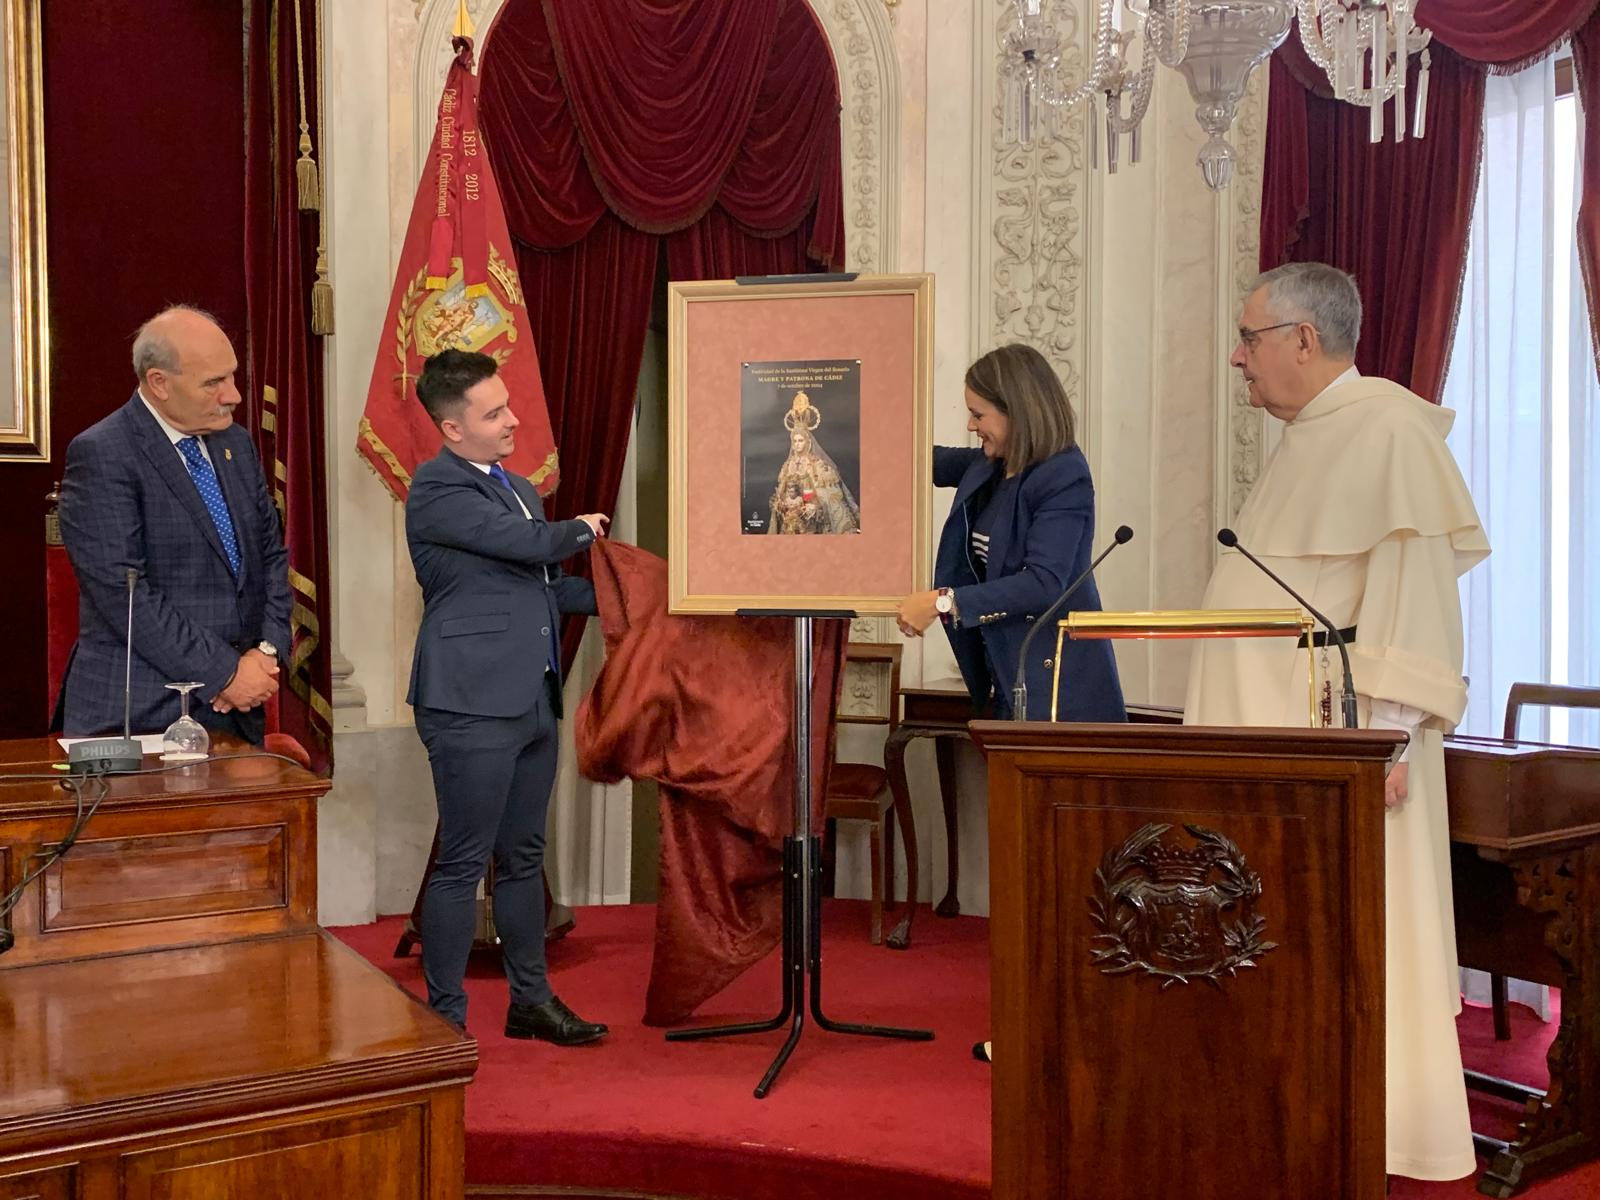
(1187, 961)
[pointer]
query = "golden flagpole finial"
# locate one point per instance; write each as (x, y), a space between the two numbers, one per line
(463, 25)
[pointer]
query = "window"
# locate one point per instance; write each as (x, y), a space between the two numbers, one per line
(1522, 380)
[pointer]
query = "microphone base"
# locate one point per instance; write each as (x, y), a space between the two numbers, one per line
(1019, 702)
(1352, 719)
(104, 755)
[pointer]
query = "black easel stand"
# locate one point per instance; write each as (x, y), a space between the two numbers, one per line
(802, 889)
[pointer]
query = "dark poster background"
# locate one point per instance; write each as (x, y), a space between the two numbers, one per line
(144, 206)
(767, 390)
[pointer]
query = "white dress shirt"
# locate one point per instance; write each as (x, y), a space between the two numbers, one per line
(484, 467)
(174, 435)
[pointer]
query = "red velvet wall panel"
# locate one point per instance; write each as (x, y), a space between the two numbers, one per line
(144, 205)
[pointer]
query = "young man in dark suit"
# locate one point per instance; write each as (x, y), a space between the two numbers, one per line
(170, 488)
(486, 687)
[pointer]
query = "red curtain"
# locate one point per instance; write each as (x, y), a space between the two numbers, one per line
(157, 98)
(283, 391)
(1397, 214)
(1586, 60)
(613, 126)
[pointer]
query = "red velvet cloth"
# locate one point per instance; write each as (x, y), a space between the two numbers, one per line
(704, 706)
(1503, 34)
(1397, 215)
(716, 125)
(283, 394)
(589, 307)
(662, 93)
(694, 109)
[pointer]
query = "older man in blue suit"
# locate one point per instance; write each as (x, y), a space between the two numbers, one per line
(169, 488)
(486, 687)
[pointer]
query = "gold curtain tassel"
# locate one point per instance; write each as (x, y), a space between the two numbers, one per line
(322, 297)
(305, 168)
(305, 176)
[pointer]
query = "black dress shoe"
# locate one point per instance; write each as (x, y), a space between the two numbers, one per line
(552, 1022)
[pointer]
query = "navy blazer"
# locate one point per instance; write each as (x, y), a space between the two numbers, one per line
(128, 500)
(1041, 542)
(492, 593)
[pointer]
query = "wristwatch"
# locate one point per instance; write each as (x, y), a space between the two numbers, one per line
(267, 648)
(945, 602)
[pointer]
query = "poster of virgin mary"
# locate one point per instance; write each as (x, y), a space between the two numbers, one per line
(800, 425)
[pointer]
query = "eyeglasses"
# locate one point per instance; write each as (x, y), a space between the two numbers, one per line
(1251, 338)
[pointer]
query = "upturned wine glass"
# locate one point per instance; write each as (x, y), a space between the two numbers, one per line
(185, 740)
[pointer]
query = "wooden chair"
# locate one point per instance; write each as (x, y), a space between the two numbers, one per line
(1552, 695)
(860, 791)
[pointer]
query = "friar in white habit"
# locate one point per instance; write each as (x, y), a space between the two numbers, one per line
(1363, 511)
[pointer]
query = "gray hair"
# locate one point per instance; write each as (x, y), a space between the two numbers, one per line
(1324, 297)
(153, 349)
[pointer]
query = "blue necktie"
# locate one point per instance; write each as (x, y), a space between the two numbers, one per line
(205, 479)
(498, 474)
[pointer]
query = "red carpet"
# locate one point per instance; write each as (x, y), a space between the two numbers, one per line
(849, 1117)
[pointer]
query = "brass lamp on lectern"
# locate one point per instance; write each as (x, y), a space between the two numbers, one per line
(1189, 623)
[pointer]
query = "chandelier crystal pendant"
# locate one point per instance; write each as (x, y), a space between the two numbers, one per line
(1363, 45)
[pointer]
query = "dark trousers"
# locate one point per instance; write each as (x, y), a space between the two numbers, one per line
(491, 779)
(250, 726)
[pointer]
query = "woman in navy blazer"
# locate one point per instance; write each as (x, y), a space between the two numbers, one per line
(1021, 529)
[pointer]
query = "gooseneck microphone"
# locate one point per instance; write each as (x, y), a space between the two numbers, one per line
(1019, 689)
(127, 662)
(113, 754)
(1351, 721)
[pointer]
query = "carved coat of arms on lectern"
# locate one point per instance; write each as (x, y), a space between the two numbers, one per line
(1177, 912)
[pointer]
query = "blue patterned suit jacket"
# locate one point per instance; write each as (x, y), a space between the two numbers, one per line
(128, 500)
(492, 590)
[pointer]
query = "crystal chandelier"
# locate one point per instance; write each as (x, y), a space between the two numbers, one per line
(1362, 44)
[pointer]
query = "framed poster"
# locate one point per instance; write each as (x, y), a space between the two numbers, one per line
(799, 443)
(24, 340)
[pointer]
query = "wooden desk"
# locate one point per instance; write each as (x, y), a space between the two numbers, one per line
(940, 710)
(174, 1024)
(282, 1066)
(1525, 866)
(213, 852)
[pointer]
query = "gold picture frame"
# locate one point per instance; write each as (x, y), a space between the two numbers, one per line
(25, 380)
(739, 358)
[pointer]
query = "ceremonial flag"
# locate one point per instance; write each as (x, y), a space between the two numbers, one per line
(457, 287)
